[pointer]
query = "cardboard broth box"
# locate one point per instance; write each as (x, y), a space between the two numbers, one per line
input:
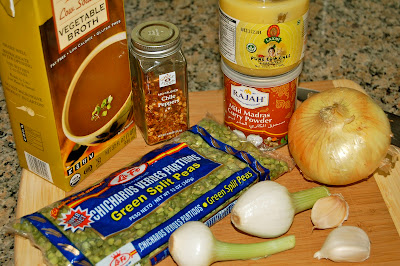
(64, 67)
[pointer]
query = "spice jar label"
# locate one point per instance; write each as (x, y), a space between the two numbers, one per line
(260, 114)
(167, 79)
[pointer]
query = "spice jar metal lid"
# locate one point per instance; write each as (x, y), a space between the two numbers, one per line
(155, 39)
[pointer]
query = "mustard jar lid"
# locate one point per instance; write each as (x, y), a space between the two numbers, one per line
(155, 39)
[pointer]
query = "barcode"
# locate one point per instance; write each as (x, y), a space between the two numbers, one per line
(219, 215)
(38, 166)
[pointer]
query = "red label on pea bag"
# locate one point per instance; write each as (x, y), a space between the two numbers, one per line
(76, 219)
(260, 115)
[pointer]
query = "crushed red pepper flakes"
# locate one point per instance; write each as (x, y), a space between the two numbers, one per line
(162, 119)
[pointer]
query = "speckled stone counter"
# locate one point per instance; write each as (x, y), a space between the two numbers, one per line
(356, 40)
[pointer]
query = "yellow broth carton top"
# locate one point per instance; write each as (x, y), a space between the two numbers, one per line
(64, 67)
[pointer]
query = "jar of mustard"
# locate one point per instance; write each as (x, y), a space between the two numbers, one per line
(263, 38)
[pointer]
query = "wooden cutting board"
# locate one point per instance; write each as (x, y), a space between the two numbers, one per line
(374, 203)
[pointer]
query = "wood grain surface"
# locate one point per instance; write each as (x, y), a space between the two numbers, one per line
(374, 203)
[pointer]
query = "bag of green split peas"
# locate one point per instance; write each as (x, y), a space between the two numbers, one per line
(95, 247)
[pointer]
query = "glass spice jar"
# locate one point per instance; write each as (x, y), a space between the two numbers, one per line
(159, 81)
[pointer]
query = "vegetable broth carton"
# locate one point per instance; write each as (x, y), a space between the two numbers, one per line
(64, 67)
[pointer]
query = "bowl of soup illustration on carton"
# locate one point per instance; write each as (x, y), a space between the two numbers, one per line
(95, 110)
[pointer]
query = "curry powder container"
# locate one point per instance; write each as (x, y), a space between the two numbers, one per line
(263, 38)
(159, 81)
(258, 109)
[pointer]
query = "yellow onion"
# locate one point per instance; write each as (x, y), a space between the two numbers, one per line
(338, 136)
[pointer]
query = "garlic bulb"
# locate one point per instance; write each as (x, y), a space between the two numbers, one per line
(329, 212)
(345, 244)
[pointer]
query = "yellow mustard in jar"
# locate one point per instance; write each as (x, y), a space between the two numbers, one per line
(263, 38)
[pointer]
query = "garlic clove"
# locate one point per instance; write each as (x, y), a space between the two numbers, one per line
(240, 134)
(345, 244)
(329, 212)
(256, 140)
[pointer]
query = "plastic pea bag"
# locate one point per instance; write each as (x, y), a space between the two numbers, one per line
(277, 163)
(127, 218)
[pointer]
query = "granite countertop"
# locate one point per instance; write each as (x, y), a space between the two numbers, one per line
(356, 40)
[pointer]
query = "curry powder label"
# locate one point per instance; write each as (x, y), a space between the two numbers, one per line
(260, 114)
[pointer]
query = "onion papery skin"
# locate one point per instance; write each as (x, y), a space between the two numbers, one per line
(343, 143)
